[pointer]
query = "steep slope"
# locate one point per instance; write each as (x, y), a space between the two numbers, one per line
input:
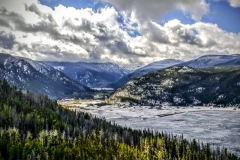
(38, 77)
(182, 85)
(94, 75)
(146, 69)
(213, 60)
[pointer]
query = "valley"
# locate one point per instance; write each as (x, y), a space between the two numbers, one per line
(35, 127)
(198, 99)
(217, 126)
(119, 80)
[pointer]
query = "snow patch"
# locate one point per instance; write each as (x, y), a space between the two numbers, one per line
(200, 89)
(60, 68)
(167, 83)
(186, 69)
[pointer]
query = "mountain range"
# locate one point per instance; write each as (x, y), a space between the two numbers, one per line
(38, 77)
(74, 79)
(93, 75)
(213, 60)
(183, 85)
(201, 62)
(143, 70)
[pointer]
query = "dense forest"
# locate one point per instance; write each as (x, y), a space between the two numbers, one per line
(35, 127)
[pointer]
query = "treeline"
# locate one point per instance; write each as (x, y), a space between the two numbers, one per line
(35, 127)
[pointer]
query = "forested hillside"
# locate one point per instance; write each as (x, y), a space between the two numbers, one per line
(184, 86)
(39, 78)
(34, 127)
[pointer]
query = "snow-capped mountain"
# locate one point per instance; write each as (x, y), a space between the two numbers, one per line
(146, 69)
(94, 75)
(38, 77)
(158, 65)
(183, 85)
(213, 60)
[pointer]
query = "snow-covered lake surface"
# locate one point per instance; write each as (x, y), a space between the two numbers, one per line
(217, 126)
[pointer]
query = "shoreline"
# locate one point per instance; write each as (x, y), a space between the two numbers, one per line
(100, 109)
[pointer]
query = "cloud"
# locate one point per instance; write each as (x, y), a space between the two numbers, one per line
(7, 40)
(64, 33)
(234, 3)
(48, 0)
(182, 41)
(155, 9)
(33, 8)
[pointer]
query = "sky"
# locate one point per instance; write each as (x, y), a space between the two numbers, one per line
(130, 33)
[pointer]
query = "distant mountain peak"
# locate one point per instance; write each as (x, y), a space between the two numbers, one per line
(94, 75)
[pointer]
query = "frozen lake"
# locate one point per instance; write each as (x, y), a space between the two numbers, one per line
(220, 127)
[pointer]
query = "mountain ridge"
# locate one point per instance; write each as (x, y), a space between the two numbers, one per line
(183, 85)
(200, 62)
(212, 60)
(93, 75)
(38, 77)
(145, 69)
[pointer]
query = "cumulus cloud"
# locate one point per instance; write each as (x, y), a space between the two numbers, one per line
(155, 9)
(68, 34)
